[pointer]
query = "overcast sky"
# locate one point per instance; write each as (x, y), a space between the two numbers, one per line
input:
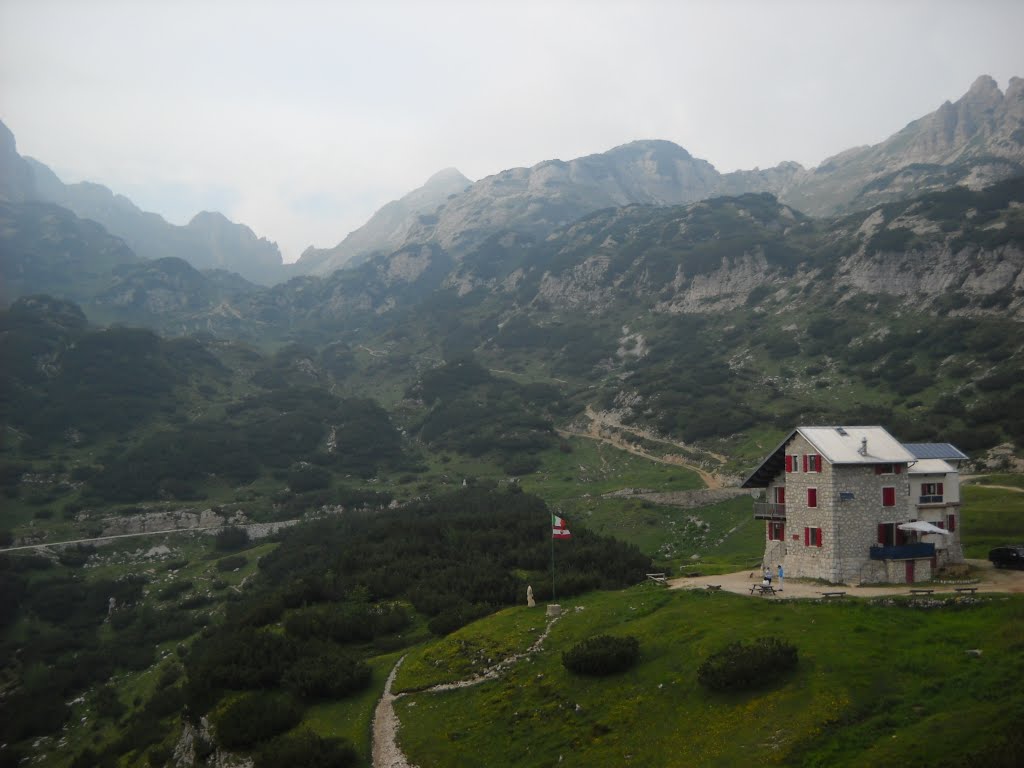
(301, 118)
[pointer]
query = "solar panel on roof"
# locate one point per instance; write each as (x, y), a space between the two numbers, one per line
(935, 451)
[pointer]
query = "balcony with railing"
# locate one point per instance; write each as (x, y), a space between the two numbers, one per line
(903, 552)
(768, 510)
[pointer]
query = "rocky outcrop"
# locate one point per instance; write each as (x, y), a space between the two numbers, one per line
(197, 746)
(387, 229)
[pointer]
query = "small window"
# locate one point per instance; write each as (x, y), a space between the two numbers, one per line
(884, 469)
(888, 496)
(813, 462)
(951, 523)
(776, 530)
(792, 463)
(812, 537)
(812, 497)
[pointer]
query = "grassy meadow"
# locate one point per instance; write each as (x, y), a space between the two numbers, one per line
(992, 516)
(879, 683)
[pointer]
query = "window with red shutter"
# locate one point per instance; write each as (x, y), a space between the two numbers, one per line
(951, 523)
(821, 539)
(812, 497)
(889, 496)
(805, 462)
(807, 537)
(789, 463)
(939, 488)
(897, 468)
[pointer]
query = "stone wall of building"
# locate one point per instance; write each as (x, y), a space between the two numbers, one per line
(849, 510)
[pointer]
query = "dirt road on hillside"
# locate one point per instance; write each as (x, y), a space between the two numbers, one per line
(606, 428)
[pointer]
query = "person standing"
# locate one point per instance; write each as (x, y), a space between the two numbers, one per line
(780, 577)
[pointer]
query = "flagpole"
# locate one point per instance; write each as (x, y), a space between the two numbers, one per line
(552, 566)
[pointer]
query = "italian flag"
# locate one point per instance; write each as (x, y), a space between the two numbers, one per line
(559, 529)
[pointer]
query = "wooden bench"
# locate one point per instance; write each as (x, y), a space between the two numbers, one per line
(921, 591)
(762, 589)
(658, 578)
(828, 595)
(713, 587)
(972, 590)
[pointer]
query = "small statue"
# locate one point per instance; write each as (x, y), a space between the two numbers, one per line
(530, 602)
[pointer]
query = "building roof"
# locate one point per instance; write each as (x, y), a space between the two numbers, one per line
(936, 451)
(838, 445)
(843, 445)
(930, 467)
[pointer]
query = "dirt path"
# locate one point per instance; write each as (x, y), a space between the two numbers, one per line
(603, 427)
(990, 579)
(1000, 487)
(386, 752)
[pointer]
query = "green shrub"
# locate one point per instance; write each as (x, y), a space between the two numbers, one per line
(602, 655)
(231, 539)
(255, 717)
(307, 749)
(232, 562)
(327, 673)
(174, 589)
(739, 667)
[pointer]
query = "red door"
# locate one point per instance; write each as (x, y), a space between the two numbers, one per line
(780, 494)
(910, 571)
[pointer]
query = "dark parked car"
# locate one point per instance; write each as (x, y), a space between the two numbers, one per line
(1007, 557)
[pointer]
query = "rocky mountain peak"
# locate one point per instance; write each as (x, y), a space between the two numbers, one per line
(447, 177)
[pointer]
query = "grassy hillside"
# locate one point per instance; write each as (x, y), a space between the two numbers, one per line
(885, 683)
(992, 516)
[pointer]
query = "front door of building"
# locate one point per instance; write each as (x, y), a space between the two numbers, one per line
(910, 571)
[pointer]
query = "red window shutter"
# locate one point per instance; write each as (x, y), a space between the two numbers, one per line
(805, 462)
(951, 522)
(878, 469)
(807, 537)
(897, 468)
(881, 533)
(817, 462)
(789, 463)
(938, 489)
(821, 539)
(780, 494)
(812, 497)
(941, 524)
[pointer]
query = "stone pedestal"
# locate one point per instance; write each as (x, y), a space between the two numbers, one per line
(554, 611)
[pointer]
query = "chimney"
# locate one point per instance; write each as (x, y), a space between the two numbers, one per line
(863, 451)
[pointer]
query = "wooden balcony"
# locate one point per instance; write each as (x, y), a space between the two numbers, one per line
(767, 510)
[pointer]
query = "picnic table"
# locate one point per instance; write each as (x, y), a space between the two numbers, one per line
(972, 590)
(762, 589)
(828, 595)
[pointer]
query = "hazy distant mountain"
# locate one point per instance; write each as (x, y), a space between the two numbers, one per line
(387, 229)
(16, 183)
(47, 249)
(209, 241)
(974, 142)
(554, 193)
